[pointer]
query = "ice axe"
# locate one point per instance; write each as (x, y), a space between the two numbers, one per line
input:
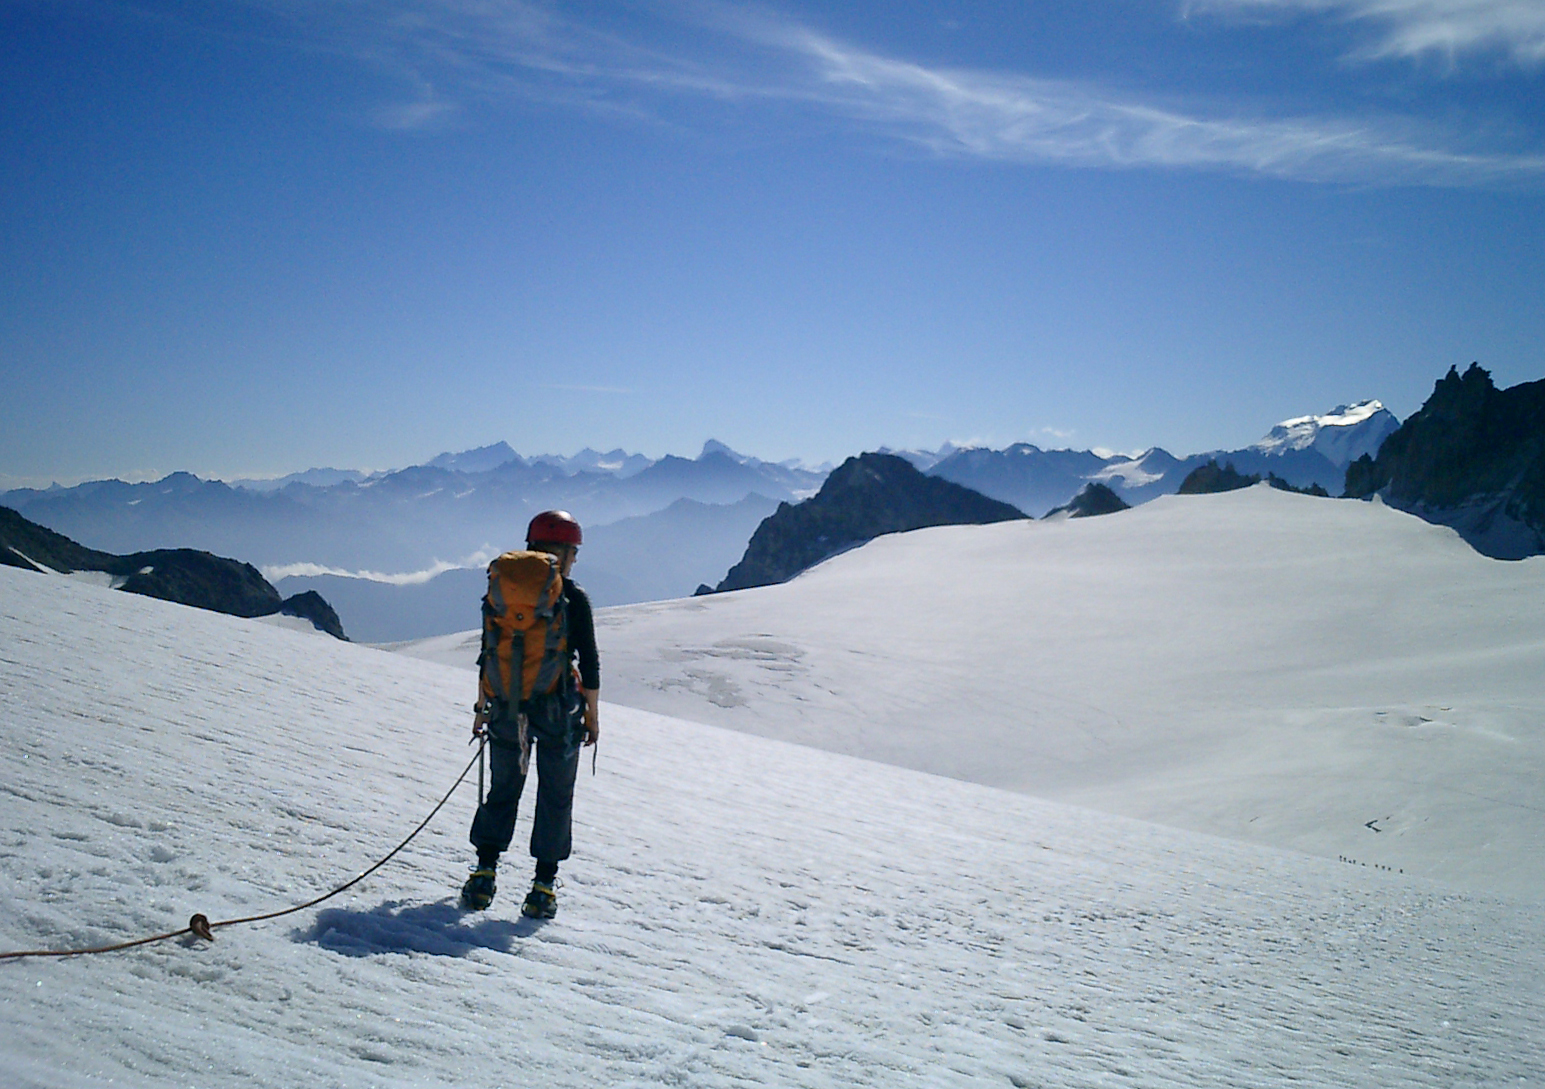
(481, 710)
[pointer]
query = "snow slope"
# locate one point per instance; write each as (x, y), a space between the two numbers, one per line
(1326, 675)
(741, 911)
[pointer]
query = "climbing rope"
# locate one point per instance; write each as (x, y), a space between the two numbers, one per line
(199, 925)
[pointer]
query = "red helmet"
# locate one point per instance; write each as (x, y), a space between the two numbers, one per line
(554, 527)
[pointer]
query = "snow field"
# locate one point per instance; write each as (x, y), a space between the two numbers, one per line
(740, 911)
(1325, 675)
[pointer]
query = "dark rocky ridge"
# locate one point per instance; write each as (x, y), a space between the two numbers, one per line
(1209, 479)
(1095, 499)
(185, 576)
(1473, 458)
(864, 497)
(312, 606)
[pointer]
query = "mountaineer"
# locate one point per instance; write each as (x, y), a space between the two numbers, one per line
(536, 623)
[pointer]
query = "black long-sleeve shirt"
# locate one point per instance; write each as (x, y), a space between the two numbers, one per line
(582, 635)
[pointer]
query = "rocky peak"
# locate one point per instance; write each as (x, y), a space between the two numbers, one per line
(864, 497)
(1472, 457)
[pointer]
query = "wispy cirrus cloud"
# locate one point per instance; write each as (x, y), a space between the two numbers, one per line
(1018, 118)
(1416, 28)
(449, 50)
(749, 58)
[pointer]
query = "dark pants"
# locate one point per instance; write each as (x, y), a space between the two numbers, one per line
(554, 727)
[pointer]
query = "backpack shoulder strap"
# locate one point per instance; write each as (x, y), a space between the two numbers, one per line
(553, 659)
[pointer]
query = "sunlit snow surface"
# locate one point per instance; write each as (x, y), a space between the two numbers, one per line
(739, 912)
(1327, 675)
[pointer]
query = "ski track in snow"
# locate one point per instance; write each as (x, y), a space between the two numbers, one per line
(740, 911)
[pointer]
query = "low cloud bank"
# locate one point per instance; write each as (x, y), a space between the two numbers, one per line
(409, 578)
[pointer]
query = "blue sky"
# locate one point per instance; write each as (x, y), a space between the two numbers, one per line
(250, 237)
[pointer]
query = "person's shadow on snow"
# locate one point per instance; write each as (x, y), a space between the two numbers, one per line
(394, 926)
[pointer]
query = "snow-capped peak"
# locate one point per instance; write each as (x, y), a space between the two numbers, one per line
(714, 446)
(1343, 434)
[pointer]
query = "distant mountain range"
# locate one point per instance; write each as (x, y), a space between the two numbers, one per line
(414, 521)
(483, 459)
(391, 549)
(1304, 451)
(618, 463)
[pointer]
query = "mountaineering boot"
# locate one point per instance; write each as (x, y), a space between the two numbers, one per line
(540, 903)
(479, 890)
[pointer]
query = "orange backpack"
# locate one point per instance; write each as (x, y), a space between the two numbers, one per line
(525, 627)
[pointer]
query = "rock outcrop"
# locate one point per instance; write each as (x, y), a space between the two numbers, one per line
(182, 575)
(1095, 499)
(1209, 479)
(1473, 458)
(864, 497)
(312, 606)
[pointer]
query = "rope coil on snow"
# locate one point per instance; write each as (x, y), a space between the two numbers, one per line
(200, 926)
